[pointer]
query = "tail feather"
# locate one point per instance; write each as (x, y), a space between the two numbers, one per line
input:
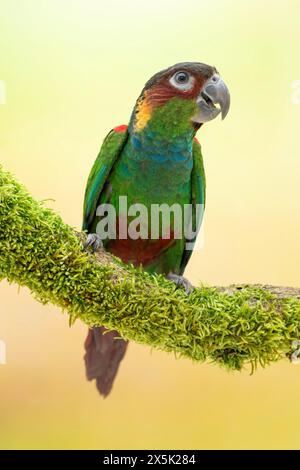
(104, 352)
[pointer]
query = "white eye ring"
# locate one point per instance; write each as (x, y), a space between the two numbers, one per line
(182, 81)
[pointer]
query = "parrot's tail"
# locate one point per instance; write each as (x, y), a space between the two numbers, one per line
(104, 352)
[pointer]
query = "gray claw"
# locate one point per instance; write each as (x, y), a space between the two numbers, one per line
(94, 242)
(295, 357)
(181, 281)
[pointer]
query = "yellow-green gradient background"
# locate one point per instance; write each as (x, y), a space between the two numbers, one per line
(73, 70)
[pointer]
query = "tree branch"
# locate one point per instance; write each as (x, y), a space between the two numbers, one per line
(232, 326)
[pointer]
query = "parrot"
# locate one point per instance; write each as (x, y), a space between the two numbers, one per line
(155, 159)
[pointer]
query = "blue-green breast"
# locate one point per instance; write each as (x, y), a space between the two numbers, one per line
(153, 171)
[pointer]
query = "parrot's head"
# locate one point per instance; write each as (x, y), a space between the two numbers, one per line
(188, 94)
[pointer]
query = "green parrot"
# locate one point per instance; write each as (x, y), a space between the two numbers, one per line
(154, 160)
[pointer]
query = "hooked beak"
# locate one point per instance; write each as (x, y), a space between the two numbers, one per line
(214, 92)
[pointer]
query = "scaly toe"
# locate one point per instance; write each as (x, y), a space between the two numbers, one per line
(94, 242)
(181, 281)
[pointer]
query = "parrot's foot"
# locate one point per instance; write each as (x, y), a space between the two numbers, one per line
(93, 242)
(295, 357)
(181, 281)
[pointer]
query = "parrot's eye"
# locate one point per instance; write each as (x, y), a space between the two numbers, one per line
(181, 77)
(182, 80)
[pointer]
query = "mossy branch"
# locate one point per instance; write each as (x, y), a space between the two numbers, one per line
(232, 326)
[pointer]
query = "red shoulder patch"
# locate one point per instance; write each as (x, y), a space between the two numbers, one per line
(122, 128)
(196, 140)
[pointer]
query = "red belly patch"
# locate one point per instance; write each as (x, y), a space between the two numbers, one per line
(138, 252)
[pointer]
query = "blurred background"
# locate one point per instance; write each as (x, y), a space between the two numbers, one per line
(69, 72)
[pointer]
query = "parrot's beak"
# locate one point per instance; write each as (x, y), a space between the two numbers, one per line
(214, 92)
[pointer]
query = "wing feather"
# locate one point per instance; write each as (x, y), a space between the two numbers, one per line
(197, 197)
(104, 163)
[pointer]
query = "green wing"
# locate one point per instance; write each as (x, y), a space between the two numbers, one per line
(198, 197)
(109, 153)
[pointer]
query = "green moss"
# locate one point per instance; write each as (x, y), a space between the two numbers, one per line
(38, 250)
